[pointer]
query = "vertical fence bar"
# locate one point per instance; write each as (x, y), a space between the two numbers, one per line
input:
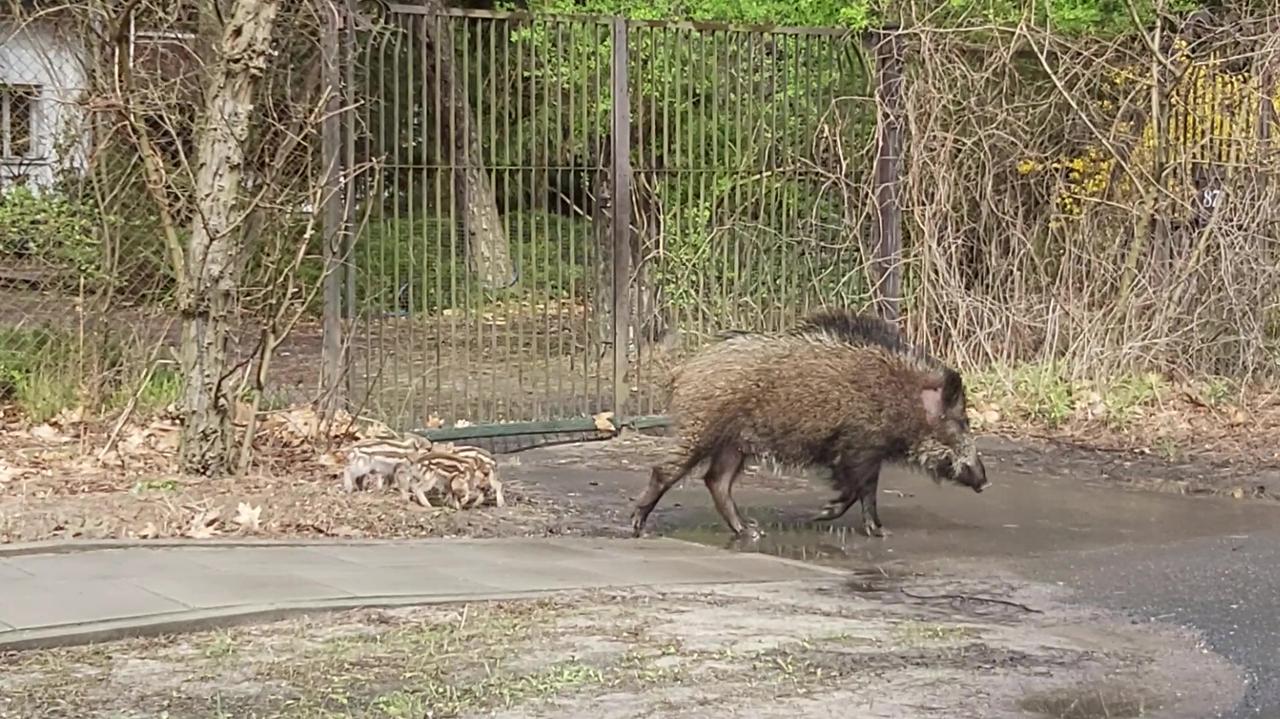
(621, 217)
(331, 221)
(350, 122)
(886, 272)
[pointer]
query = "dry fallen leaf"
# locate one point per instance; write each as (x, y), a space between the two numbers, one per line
(9, 472)
(330, 459)
(241, 413)
(148, 531)
(204, 525)
(248, 516)
(434, 422)
(46, 433)
(69, 417)
(1237, 493)
(301, 422)
(164, 435)
(604, 422)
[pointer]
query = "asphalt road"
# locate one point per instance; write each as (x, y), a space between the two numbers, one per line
(1208, 564)
(1227, 587)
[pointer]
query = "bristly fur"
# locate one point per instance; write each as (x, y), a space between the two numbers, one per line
(856, 328)
(852, 327)
(839, 390)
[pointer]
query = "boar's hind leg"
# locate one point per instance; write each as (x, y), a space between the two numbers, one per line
(725, 467)
(663, 477)
(870, 511)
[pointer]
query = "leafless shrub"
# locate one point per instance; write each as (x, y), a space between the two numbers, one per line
(1107, 204)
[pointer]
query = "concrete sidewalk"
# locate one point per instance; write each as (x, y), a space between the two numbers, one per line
(50, 596)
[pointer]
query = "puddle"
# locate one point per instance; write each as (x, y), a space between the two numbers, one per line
(806, 541)
(1091, 702)
(880, 580)
(826, 544)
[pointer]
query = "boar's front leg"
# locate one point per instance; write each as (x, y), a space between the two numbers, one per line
(857, 482)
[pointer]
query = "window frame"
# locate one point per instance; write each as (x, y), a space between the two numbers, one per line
(32, 92)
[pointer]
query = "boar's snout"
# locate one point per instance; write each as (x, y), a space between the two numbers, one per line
(973, 474)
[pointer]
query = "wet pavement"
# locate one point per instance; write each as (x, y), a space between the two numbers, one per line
(1209, 564)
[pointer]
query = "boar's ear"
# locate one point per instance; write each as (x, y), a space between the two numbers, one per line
(931, 398)
(952, 390)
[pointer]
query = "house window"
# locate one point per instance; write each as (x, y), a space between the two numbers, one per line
(18, 120)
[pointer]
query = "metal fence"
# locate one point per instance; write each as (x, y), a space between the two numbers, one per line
(563, 204)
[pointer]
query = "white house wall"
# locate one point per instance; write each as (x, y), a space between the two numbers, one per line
(45, 54)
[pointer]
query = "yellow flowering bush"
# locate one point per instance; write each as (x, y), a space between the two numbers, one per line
(1211, 118)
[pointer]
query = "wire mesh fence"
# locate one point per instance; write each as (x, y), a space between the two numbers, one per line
(98, 125)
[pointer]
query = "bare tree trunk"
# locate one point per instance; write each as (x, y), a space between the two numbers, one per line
(212, 270)
(488, 251)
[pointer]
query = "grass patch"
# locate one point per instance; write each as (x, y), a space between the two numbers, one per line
(913, 633)
(162, 388)
(1046, 394)
(419, 265)
(41, 370)
(45, 371)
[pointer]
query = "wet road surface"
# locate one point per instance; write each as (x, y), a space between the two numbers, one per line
(1209, 564)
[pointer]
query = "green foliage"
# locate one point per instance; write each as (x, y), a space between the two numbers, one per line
(1046, 392)
(162, 389)
(50, 228)
(854, 14)
(420, 265)
(751, 267)
(1070, 16)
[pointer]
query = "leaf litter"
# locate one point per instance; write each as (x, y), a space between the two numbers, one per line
(73, 477)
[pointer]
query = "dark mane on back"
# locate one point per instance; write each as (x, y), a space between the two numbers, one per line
(852, 327)
(861, 329)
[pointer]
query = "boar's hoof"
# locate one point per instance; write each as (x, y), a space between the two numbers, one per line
(637, 523)
(827, 514)
(875, 530)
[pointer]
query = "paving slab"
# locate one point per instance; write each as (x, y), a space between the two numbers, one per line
(10, 572)
(38, 602)
(62, 596)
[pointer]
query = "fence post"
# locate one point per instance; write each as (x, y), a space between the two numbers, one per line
(331, 365)
(886, 233)
(620, 218)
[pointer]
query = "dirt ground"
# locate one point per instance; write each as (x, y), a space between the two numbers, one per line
(513, 361)
(840, 648)
(52, 485)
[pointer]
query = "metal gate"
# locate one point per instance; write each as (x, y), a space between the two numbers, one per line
(496, 276)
